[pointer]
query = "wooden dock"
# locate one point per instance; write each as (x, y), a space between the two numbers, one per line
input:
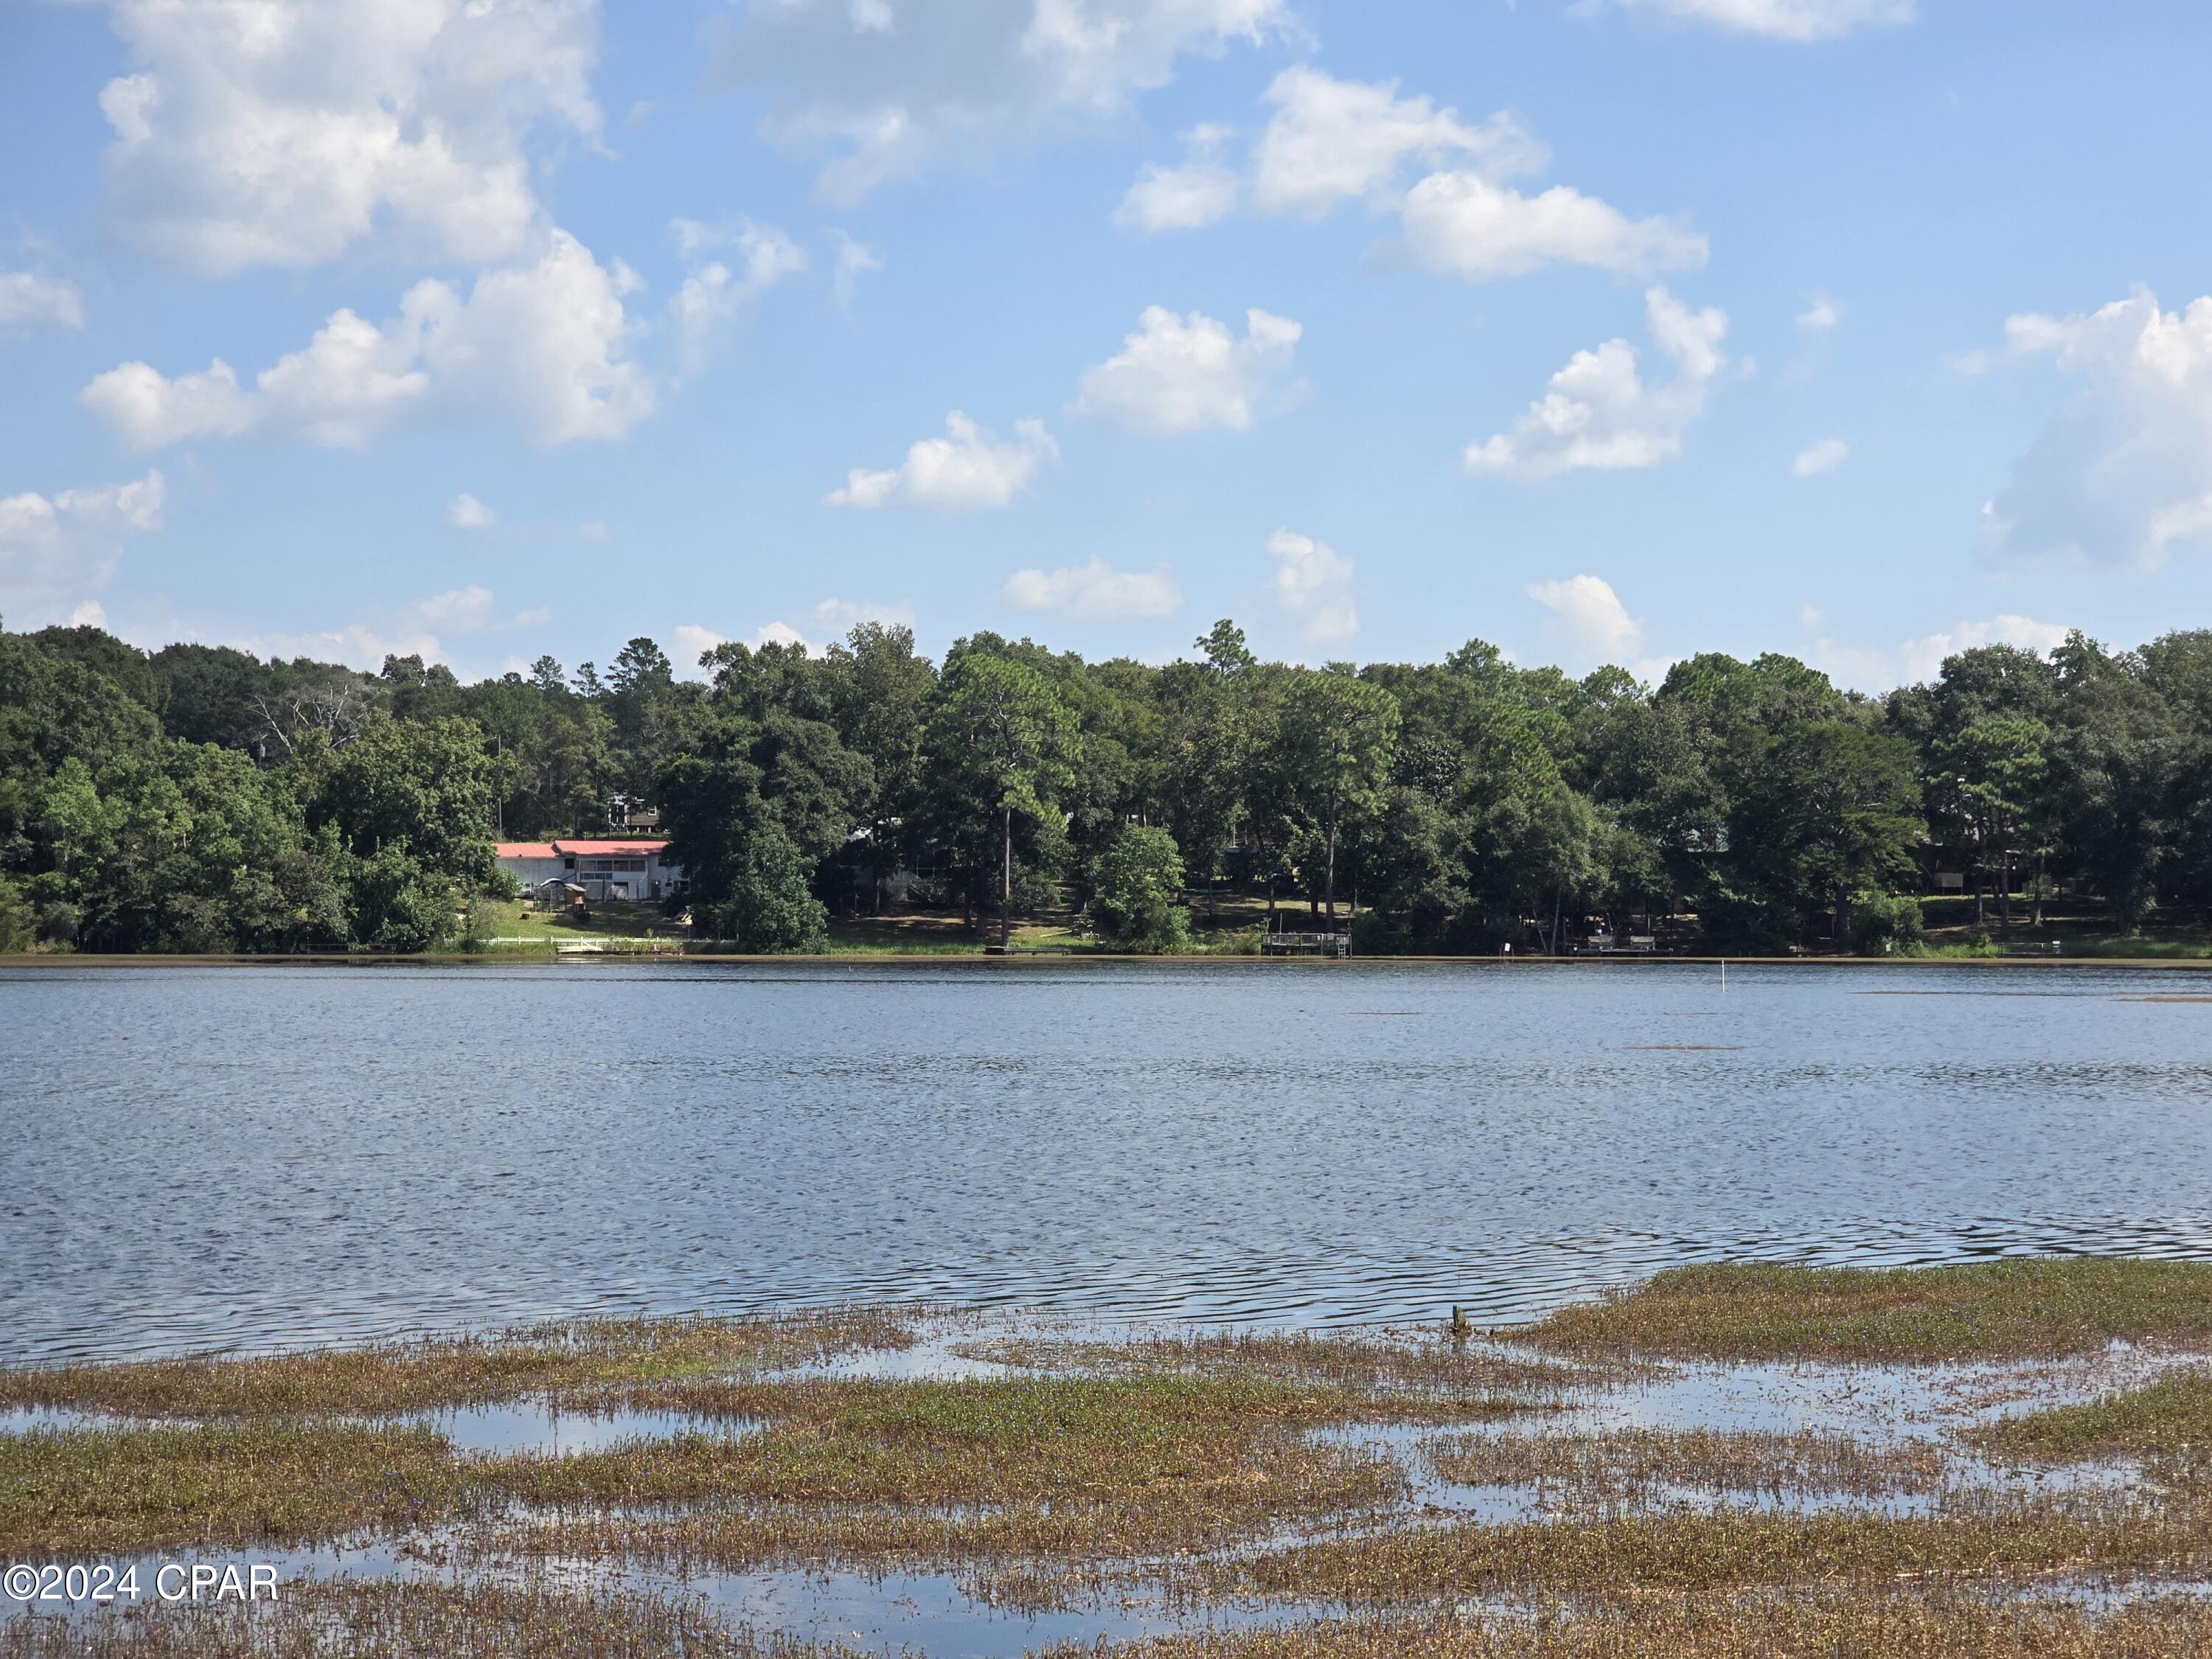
(1306, 944)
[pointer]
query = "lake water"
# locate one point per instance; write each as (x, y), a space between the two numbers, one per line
(258, 1156)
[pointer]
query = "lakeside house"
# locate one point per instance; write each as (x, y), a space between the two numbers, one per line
(604, 869)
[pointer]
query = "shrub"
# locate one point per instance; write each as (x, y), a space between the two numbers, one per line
(1136, 890)
(1886, 924)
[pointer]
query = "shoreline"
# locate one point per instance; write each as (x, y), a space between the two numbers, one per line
(549, 959)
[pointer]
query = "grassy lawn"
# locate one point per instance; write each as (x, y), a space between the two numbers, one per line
(611, 918)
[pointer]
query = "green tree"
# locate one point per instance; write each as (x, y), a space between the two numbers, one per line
(1136, 885)
(1337, 739)
(1000, 745)
(1830, 809)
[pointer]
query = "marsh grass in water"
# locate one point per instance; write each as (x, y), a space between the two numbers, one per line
(436, 1373)
(1636, 1465)
(382, 1619)
(64, 1491)
(2010, 1310)
(2169, 1417)
(1821, 1627)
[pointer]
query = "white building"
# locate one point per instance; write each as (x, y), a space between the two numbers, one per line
(604, 869)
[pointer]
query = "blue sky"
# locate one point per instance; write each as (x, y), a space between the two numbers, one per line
(1606, 330)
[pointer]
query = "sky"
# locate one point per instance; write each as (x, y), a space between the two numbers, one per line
(1606, 331)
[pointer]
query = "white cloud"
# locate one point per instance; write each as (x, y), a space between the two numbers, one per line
(465, 610)
(252, 133)
(1819, 458)
(712, 297)
(29, 299)
(854, 261)
(1820, 315)
(1312, 582)
(594, 530)
(1591, 617)
(841, 616)
(1466, 225)
(1331, 141)
(1095, 590)
(692, 642)
(52, 549)
(1599, 414)
(465, 512)
(780, 633)
(1196, 193)
(1177, 375)
(1871, 669)
(544, 346)
(2123, 475)
(1785, 20)
(886, 89)
(965, 470)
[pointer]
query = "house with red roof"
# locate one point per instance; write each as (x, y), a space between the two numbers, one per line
(628, 869)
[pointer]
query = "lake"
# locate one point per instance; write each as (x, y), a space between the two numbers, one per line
(246, 1157)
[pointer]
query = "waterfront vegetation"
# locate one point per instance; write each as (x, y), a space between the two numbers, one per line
(199, 799)
(1440, 1492)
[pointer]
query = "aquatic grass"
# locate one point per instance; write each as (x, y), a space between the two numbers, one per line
(1383, 1377)
(1635, 1464)
(991, 1440)
(1970, 1537)
(372, 1619)
(575, 1360)
(1871, 1626)
(68, 1491)
(2014, 1308)
(2170, 1416)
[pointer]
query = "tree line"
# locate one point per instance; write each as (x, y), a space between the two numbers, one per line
(199, 799)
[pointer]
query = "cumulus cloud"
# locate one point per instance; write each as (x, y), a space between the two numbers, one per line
(1599, 413)
(1096, 590)
(464, 611)
(1466, 225)
(2123, 475)
(283, 134)
(1199, 191)
(965, 470)
(883, 89)
(1785, 19)
(1331, 141)
(1328, 141)
(54, 548)
(1820, 315)
(465, 512)
(1190, 373)
(544, 346)
(30, 298)
(1312, 583)
(713, 297)
(1819, 458)
(1865, 668)
(1591, 617)
(836, 615)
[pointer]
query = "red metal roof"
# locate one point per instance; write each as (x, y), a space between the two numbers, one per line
(609, 849)
(525, 849)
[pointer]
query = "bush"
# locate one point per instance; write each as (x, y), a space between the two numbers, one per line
(19, 928)
(1375, 934)
(771, 911)
(1738, 925)
(1886, 924)
(1136, 890)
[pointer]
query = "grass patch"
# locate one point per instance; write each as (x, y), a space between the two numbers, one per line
(1979, 1310)
(1423, 1380)
(126, 1489)
(2170, 1417)
(607, 919)
(432, 1373)
(365, 1619)
(1634, 1465)
(1830, 1627)
(1722, 1550)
